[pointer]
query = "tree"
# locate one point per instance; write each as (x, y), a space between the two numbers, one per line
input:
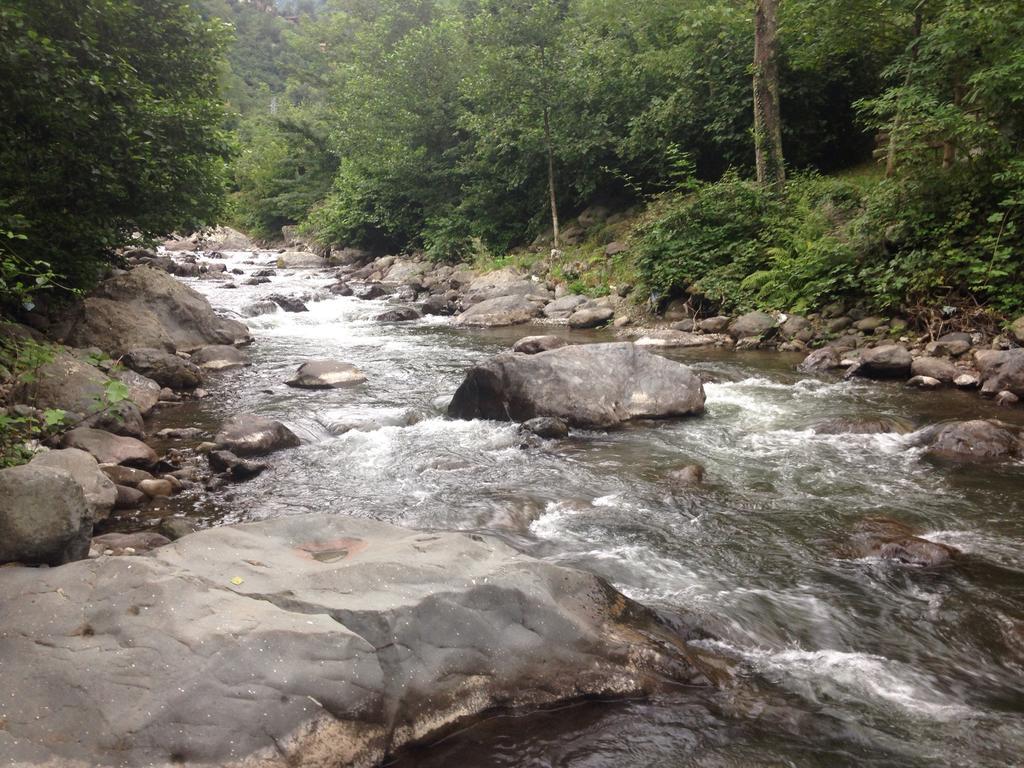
(111, 127)
(771, 170)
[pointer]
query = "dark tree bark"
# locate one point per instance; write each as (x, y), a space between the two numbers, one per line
(771, 170)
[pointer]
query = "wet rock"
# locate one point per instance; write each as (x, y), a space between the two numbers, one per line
(885, 362)
(372, 291)
(892, 540)
(923, 382)
(120, 544)
(752, 324)
(289, 303)
(122, 475)
(547, 427)
(220, 357)
(300, 260)
(1006, 399)
(165, 369)
(183, 314)
(44, 518)
(935, 368)
(175, 528)
(239, 469)
(398, 315)
(436, 304)
(593, 385)
(690, 476)
(681, 339)
(978, 440)
(110, 449)
(258, 308)
(251, 435)
(591, 318)
(860, 426)
(533, 345)
(183, 433)
(287, 618)
(326, 374)
(1001, 371)
(157, 488)
(257, 281)
(966, 381)
(129, 498)
(100, 493)
(820, 360)
(500, 311)
(561, 308)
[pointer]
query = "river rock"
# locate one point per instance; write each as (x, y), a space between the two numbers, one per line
(797, 328)
(561, 308)
(844, 425)
(978, 440)
(892, 540)
(69, 383)
(142, 390)
(820, 360)
(100, 493)
(129, 498)
(300, 260)
(116, 326)
(689, 476)
(1001, 371)
(547, 427)
(500, 311)
(157, 488)
(251, 435)
(175, 528)
(183, 314)
(405, 271)
(751, 325)
(289, 303)
(44, 518)
(923, 382)
(220, 357)
(503, 283)
(122, 475)
(592, 385)
(224, 239)
(1006, 399)
(239, 469)
(885, 362)
(717, 324)
(966, 381)
(593, 317)
(533, 345)
(257, 308)
(935, 368)
(670, 338)
(371, 291)
(165, 369)
(436, 304)
(308, 641)
(110, 449)
(398, 315)
(326, 374)
(1017, 330)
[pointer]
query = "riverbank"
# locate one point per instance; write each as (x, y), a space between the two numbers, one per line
(754, 553)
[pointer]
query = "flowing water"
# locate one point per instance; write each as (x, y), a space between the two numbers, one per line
(842, 662)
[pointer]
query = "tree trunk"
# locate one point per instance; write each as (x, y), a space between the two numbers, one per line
(551, 175)
(767, 119)
(949, 147)
(890, 159)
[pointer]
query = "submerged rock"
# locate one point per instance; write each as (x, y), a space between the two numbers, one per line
(547, 427)
(251, 435)
(891, 540)
(309, 641)
(592, 385)
(44, 518)
(844, 425)
(398, 315)
(326, 374)
(689, 476)
(978, 440)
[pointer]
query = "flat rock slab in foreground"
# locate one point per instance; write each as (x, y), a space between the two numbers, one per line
(303, 641)
(588, 385)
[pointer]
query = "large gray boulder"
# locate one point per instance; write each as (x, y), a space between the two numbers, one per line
(165, 369)
(251, 435)
(107, 448)
(560, 309)
(936, 368)
(820, 360)
(888, 361)
(326, 374)
(300, 260)
(752, 325)
(970, 441)
(1001, 371)
(500, 311)
(142, 391)
(185, 316)
(308, 641)
(591, 317)
(593, 385)
(501, 283)
(116, 326)
(44, 518)
(224, 239)
(69, 383)
(100, 492)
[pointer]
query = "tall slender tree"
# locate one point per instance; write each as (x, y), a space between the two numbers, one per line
(771, 169)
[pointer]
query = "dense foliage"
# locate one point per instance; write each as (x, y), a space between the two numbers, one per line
(111, 132)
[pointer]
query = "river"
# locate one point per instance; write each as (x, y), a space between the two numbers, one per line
(842, 662)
